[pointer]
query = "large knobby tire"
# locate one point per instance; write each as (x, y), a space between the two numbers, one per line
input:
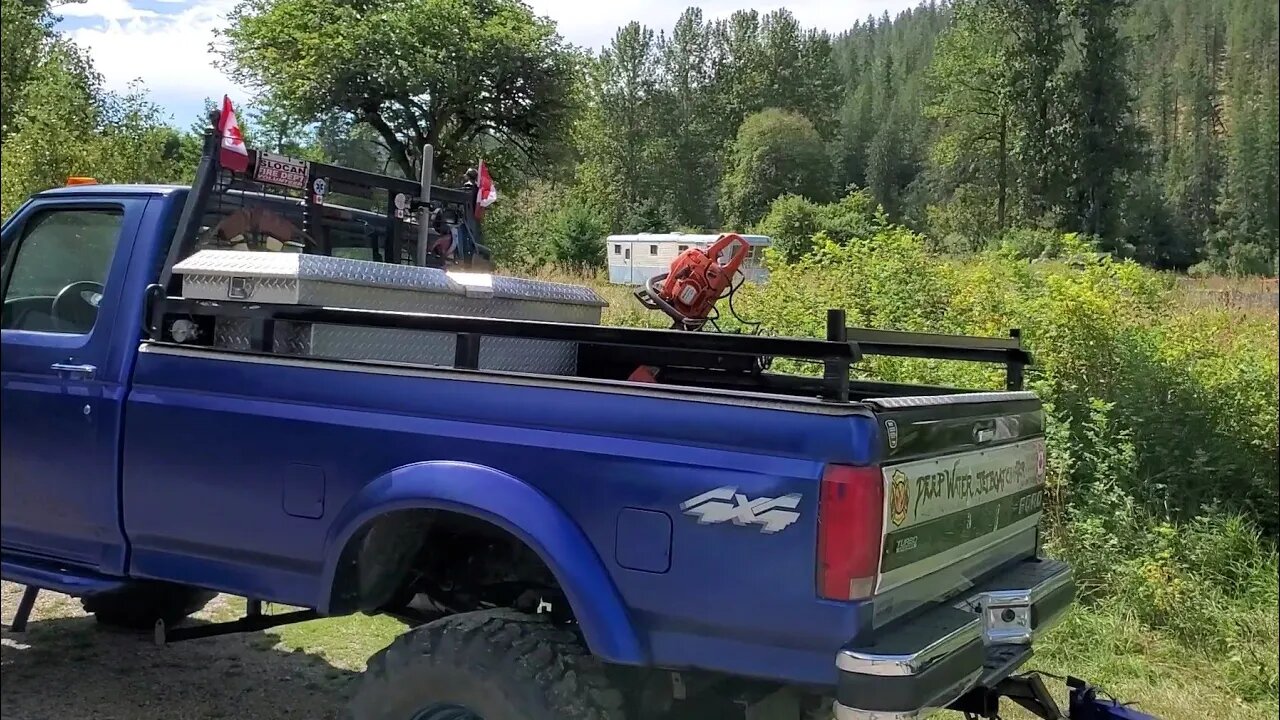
(486, 665)
(139, 606)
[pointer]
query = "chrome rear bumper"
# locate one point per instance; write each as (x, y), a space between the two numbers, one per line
(919, 665)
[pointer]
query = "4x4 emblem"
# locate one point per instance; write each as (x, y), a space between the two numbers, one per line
(726, 504)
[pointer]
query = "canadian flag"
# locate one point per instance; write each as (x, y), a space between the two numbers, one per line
(232, 155)
(486, 191)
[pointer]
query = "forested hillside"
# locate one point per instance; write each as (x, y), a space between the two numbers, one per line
(1148, 125)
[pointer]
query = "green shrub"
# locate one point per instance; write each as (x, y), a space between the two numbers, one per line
(578, 237)
(1037, 244)
(793, 221)
(791, 224)
(856, 215)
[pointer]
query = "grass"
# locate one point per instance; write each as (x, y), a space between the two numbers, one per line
(1101, 644)
(1104, 647)
(303, 672)
(1115, 652)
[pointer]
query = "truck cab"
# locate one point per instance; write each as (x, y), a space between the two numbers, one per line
(70, 283)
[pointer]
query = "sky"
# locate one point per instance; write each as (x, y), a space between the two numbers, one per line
(165, 43)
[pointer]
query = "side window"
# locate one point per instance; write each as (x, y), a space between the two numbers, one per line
(653, 249)
(61, 264)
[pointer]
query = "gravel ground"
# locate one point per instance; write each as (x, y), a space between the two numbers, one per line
(65, 666)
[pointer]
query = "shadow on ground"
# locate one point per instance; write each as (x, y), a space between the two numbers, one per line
(69, 667)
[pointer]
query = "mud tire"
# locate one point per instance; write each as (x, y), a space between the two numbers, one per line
(491, 665)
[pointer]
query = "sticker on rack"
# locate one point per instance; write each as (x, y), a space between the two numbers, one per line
(891, 432)
(726, 504)
(321, 188)
(402, 207)
(281, 170)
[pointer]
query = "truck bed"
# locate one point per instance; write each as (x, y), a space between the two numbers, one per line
(311, 433)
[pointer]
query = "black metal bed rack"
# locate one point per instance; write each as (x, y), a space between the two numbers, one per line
(719, 359)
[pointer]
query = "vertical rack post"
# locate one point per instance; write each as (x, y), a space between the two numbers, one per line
(189, 221)
(424, 199)
(1013, 370)
(391, 245)
(835, 373)
(310, 216)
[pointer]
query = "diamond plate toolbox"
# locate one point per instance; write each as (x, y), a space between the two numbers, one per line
(292, 278)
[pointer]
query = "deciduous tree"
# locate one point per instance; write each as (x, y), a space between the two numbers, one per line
(464, 77)
(776, 153)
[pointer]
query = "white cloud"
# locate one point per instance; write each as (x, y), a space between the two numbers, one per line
(109, 10)
(168, 52)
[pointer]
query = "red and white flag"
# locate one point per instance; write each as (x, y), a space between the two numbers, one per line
(486, 191)
(232, 155)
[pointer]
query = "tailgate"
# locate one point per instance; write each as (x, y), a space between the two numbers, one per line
(963, 479)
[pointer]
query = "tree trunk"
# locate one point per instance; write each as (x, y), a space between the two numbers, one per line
(1002, 178)
(395, 147)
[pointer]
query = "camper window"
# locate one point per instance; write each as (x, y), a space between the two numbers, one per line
(653, 249)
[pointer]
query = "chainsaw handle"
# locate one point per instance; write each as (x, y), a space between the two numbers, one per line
(740, 249)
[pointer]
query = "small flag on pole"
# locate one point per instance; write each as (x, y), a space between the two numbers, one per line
(232, 154)
(486, 191)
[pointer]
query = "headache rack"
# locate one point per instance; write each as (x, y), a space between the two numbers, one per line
(327, 210)
(389, 228)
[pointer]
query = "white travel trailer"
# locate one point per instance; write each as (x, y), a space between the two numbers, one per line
(633, 259)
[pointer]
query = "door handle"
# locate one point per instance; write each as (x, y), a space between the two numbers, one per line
(84, 371)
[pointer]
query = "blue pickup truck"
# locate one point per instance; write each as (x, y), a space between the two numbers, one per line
(254, 385)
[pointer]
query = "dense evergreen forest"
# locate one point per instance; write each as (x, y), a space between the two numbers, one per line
(1148, 126)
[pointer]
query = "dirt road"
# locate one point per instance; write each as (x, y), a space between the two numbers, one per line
(65, 666)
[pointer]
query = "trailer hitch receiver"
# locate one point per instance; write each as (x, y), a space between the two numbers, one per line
(1029, 692)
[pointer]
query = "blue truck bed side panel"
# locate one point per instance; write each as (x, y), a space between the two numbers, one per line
(210, 438)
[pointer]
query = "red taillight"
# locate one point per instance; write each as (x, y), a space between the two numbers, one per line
(850, 526)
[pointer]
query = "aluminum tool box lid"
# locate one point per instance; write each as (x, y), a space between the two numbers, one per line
(302, 279)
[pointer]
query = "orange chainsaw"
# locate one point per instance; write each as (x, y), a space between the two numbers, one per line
(689, 290)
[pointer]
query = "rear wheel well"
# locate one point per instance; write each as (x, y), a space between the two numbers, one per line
(450, 561)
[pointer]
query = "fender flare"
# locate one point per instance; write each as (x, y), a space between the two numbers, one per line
(514, 506)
